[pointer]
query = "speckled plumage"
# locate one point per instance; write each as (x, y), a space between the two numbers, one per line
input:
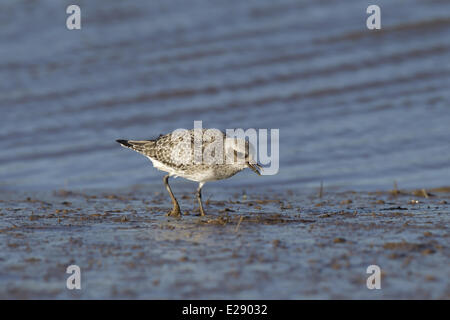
(160, 151)
(174, 153)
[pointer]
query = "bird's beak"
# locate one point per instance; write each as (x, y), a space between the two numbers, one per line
(256, 168)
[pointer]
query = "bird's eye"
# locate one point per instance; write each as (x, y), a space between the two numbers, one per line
(238, 155)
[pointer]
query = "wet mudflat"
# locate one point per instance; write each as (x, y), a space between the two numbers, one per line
(253, 244)
(355, 108)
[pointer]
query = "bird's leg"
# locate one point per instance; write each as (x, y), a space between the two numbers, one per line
(199, 198)
(175, 212)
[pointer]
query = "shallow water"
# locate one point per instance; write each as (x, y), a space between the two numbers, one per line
(355, 108)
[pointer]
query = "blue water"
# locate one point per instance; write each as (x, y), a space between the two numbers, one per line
(355, 108)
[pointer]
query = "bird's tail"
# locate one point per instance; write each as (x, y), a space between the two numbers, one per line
(142, 146)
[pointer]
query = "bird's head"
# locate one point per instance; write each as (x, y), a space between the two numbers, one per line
(242, 153)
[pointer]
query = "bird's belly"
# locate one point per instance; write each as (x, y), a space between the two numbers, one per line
(209, 174)
(197, 173)
(161, 166)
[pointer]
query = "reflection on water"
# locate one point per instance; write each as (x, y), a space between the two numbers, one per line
(355, 108)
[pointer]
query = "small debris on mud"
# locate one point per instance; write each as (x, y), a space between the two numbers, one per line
(226, 250)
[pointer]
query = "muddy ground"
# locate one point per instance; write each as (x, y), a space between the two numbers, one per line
(253, 244)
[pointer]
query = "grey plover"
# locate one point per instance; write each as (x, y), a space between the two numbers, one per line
(175, 154)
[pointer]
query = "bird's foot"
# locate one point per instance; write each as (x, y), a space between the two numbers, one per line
(175, 212)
